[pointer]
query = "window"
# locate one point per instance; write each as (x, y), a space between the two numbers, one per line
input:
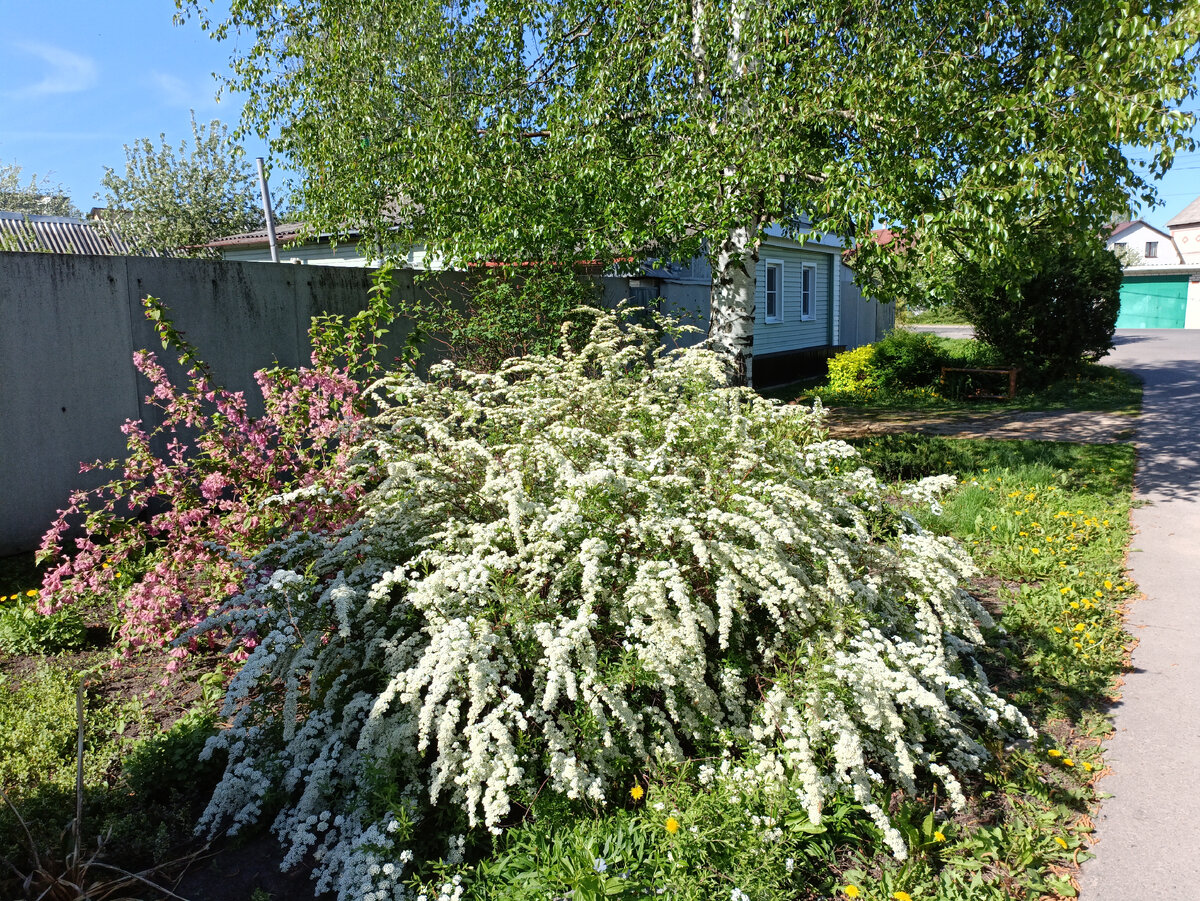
(808, 290)
(1120, 245)
(774, 292)
(1151, 250)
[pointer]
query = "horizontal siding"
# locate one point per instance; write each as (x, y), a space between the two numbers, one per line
(793, 332)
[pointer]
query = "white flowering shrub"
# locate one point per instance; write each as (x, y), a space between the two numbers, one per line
(568, 569)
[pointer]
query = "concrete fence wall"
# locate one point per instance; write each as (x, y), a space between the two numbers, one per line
(69, 325)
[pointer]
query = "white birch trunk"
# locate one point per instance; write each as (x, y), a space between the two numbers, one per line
(731, 301)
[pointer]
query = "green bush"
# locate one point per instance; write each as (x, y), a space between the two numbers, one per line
(853, 371)
(906, 359)
(25, 631)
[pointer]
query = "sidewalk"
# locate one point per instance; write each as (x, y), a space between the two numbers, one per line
(1082, 428)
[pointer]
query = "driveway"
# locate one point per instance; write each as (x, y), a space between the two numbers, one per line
(1147, 840)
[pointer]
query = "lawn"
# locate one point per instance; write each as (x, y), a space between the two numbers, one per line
(1046, 523)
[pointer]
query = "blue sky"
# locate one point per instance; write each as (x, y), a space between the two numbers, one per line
(79, 79)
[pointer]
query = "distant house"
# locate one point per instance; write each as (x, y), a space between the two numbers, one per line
(1138, 243)
(23, 233)
(1161, 284)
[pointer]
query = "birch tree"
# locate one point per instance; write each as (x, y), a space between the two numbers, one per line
(548, 130)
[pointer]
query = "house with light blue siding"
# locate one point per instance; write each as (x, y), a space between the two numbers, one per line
(807, 306)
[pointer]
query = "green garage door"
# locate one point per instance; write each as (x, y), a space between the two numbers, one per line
(1159, 301)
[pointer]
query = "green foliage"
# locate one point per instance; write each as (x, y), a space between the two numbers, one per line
(900, 361)
(853, 371)
(503, 312)
(175, 201)
(517, 130)
(1056, 315)
(906, 359)
(25, 631)
(40, 197)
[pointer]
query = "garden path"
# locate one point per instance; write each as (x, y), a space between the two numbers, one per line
(1147, 840)
(1086, 428)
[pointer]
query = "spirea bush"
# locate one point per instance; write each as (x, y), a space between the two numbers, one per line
(575, 567)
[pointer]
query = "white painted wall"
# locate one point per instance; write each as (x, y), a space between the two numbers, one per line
(1137, 237)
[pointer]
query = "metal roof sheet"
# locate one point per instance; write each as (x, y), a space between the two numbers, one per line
(59, 234)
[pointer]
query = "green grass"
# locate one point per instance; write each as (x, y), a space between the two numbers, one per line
(1095, 388)
(936, 316)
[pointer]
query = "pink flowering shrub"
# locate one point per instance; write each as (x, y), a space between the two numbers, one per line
(186, 521)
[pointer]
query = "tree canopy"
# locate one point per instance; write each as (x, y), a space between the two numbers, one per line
(177, 200)
(532, 129)
(40, 197)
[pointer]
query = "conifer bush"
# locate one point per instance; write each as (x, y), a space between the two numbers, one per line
(569, 570)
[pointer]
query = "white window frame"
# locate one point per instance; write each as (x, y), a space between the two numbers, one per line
(777, 316)
(808, 292)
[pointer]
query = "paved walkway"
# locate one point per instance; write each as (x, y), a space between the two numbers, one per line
(1147, 840)
(1085, 428)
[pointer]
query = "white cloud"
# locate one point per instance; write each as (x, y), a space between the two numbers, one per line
(68, 72)
(175, 91)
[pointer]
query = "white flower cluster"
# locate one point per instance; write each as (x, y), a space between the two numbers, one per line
(929, 489)
(576, 565)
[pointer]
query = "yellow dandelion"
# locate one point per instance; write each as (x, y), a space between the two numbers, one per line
(1074, 605)
(31, 593)
(1061, 841)
(1079, 627)
(1108, 584)
(1035, 550)
(1054, 752)
(672, 825)
(1067, 761)
(1058, 630)
(1087, 766)
(851, 891)
(1064, 591)
(902, 896)
(939, 836)
(636, 793)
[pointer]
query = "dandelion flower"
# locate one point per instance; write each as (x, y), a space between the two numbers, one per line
(1087, 766)
(31, 593)
(902, 896)
(1054, 752)
(939, 836)
(1108, 584)
(636, 793)
(1061, 841)
(1067, 761)
(851, 891)
(672, 825)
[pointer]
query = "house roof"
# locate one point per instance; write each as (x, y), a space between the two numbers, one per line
(1121, 228)
(1189, 216)
(284, 232)
(60, 234)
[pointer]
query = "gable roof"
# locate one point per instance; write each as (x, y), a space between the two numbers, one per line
(60, 234)
(1121, 228)
(1189, 216)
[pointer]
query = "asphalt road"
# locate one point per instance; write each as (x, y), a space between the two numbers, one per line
(1147, 840)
